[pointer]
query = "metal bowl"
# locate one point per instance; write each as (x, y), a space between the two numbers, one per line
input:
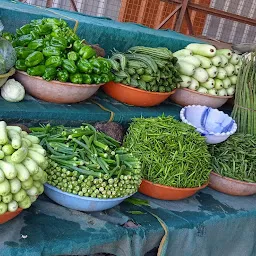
(55, 91)
(81, 203)
(231, 186)
(185, 97)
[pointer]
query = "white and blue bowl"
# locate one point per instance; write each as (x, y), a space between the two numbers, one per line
(215, 125)
(81, 203)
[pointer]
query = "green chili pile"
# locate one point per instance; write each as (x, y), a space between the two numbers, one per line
(88, 163)
(171, 153)
(236, 157)
(244, 111)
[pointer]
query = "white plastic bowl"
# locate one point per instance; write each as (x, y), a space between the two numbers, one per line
(80, 203)
(215, 125)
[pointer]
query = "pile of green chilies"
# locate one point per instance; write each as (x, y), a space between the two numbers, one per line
(236, 157)
(172, 153)
(244, 111)
(86, 162)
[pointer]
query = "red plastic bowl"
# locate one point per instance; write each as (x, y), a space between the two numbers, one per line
(9, 215)
(133, 96)
(167, 192)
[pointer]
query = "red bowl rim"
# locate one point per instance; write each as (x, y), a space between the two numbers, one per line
(60, 83)
(207, 95)
(233, 180)
(178, 189)
(143, 91)
(10, 213)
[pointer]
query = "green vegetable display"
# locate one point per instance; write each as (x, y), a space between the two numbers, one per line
(22, 168)
(244, 111)
(151, 69)
(86, 162)
(236, 157)
(49, 44)
(171, 153)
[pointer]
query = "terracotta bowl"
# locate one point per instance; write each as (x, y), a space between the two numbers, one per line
(55, 91)
(167, 192)
(185, 97)
(9, 215)
(133, 96)
(231, 186)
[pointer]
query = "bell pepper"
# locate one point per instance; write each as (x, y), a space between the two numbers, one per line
(105, 63)
(51, 51)
(84, 66)
(76, 78)
(86, 52)
(69, 65)
(96, 78)
(24, 40)
(26, 29)
(59, 42)
(20, 65)
(63, 75)
(36, 44)
(54, 21)
(23, 52)
(77, 45)
(104, 78)
(34, 34)
(49, 73)
(34, 59)
(43, 29)
(53, 61)
(36, 71)
(72, 56)
(87, 79)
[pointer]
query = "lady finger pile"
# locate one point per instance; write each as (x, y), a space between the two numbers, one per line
(89, 163)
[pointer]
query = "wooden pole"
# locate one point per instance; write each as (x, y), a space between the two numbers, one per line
(181, 15)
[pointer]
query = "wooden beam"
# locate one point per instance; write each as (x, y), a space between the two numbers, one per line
(49, 3)
(189, 23)
(73, 4)
(215, 12)
(181, 15)
(168, 17)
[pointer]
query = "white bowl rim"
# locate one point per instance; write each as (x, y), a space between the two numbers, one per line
(204, 94)
(58, 82)
(85, 197)
(210, 133)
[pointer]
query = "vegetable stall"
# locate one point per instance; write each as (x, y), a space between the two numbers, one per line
(74, 182)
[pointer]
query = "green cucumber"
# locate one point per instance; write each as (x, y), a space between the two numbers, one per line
(231, 90)
(5, 188)
(218, 84)
(222, 74)
(19, 155)
(209, 84)
(222, 92)
(237, 69)
(205, 62)
(3, 133)
(3, 208)
(27, 184)
(202, 90)
(15, 138)
(186, 81)
(33, 139)
(18, 197)
(194, 84)
(31, 165)
(186, 69)
(233, 79)
(183, 52)
(201, 75)
(224, 61)
(8, 169)
(234, 59)
(14, 128)
(212, 92)
(7, 199)
(230, 69)
(226, 52)
(216, 61)
(205, 50)
(226, 83)
(25, 203)
(15, 185)
(12, 206)
(22, 172)
(212, 71)
(191, 60)
(8, 149)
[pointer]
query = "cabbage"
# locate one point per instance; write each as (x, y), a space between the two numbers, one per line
(7, 56)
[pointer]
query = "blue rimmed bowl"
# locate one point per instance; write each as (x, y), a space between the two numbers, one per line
(81, 203)
(215, 125)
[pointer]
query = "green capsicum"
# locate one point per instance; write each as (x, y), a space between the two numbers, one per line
(87, 52)
(53, 61)
(76, 78)
(59, 42)
(49, 73)
(54, 21)
(84, 66)
(51, 51)
(63, 75)
(69, 65)
(36, 71)
(104, 78)
(36, 44)
(77, 45)
(23, 52)
(72, 56)
(105, 63)
(23, 40)
(87, 79)
(34, 59)
(20, 65)
(96, 78)
(43, 29)
(24, 30)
